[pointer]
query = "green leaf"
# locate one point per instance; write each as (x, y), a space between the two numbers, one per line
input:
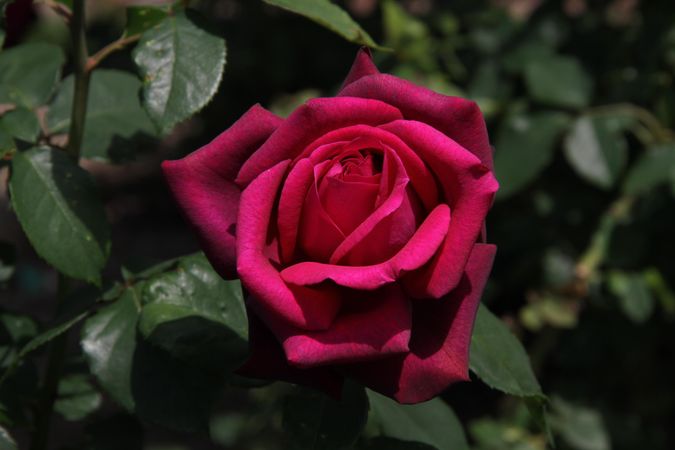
(656, 166)
(597, 150)
(580, 427)
(632, 290)
(20, 83)
(6, 143)
(329, 15)
(6, 440)
(525, 146)
(142, 18)
(50, 334)
(2, 38)
(432, 423)
(499, 359)
(226, 429)
(385, 443)
(116, 126)
(558, 81)
(109, 342)
(193, 314)
(662, 291)
(18, 328)
(22, 124)
(7, 261)
(141, 377)
(77, 398)
(182, 65)
(316, 422)
(57, 206)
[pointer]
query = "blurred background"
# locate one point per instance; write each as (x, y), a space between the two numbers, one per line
(579, 98)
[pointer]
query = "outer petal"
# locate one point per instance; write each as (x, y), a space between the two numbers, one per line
(272, 300)
(362, 66)
(202, 184)
(458, 118)
(267, 361)
(353, 336)
(310, 121)
(469, 189)
(439, 346)
(417, 252)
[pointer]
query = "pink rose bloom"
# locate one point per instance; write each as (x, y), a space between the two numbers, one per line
(356, 227)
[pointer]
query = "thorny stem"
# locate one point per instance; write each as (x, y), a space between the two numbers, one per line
(658, 132)
(594, 256)
(119, 44)
(57, 348)
(79, 110)
(49, 390)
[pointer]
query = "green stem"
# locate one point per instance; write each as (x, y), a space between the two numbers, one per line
(49, 390)
(658, 132)
(79, 111)
(597, 250)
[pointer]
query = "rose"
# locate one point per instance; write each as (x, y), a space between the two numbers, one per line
(356, 227)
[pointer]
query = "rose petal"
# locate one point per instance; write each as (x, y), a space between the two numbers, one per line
(267, 361)
(439, 345)
(353, 336)
(270, 297)
(417, 252)
(469, 189)
(421, 178)
(393, 222)
(298, 193)
(202, 184)
(348, 203)
(318, 234)
(458, 118)
(310, 121)
(362, 66)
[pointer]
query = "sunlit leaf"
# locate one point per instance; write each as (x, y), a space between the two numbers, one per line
(597, 149)
(109, 343)
(182, 64)
(329, 15)
(142, 377)
(193, 314)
